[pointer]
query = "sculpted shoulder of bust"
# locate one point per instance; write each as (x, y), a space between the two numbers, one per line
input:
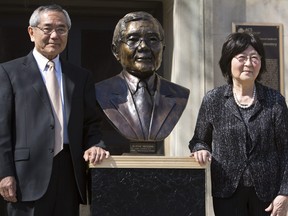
(139, 113)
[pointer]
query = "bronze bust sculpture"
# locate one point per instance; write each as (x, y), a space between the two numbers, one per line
(140, 115)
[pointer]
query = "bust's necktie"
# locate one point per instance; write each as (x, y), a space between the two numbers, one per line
(53, 89)
(144, 106)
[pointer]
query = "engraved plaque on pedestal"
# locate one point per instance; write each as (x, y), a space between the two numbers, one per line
(147, 147)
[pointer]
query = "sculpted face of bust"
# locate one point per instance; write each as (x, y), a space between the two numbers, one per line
(140, 50)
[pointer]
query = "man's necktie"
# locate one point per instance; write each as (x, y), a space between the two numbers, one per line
(53, 89)
(144, 106)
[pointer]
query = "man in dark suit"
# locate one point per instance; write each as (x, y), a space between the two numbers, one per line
(34, 178)
(138, 44)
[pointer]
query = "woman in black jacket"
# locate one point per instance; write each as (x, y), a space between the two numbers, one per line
(242, 128)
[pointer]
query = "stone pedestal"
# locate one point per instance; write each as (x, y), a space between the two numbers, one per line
(148, 185)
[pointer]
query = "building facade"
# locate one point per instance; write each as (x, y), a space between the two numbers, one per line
(194, 30)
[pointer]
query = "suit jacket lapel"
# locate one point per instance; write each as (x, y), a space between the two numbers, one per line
(230, 103)
(68, 88)
(164, 102)
(31, 70)
(260, 96)
(126, 109)
(232, 107)
(163, 106)
(258, 107)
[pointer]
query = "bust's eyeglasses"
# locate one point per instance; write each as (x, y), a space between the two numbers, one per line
(256, 59)
(49, 31)
(134, 42)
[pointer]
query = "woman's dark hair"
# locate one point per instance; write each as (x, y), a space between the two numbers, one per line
(236, 43)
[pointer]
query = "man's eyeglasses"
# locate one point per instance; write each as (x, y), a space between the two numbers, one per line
(134, 42)
(256, 59)
(49, 31)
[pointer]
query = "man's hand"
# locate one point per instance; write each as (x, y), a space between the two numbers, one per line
(95, 155)
(8, 189)
(279, 206)
(202, 157)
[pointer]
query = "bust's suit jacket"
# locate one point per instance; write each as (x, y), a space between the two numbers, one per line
(220, 129)
(117, 103)
(27, 124)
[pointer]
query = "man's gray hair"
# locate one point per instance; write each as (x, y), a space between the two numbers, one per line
(35, 17)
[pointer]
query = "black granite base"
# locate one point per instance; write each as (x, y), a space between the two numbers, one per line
(2, 207)
(141, 192)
